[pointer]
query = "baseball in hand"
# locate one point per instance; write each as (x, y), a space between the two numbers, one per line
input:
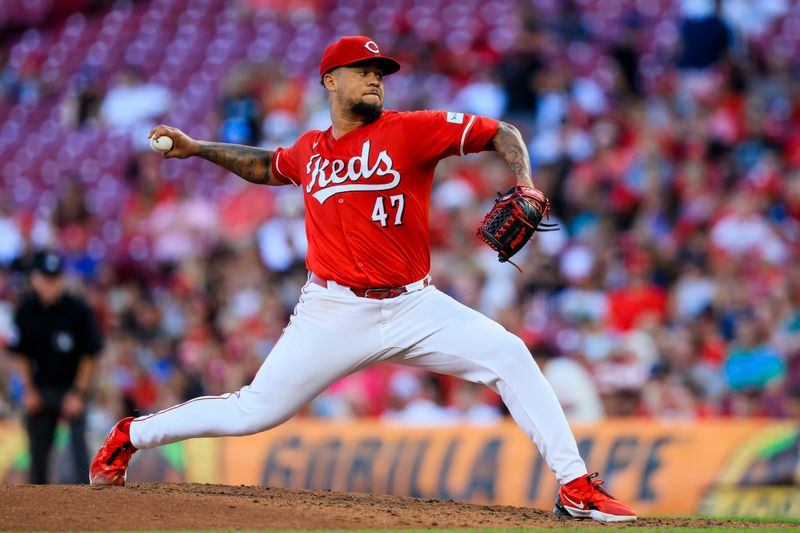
(161, 144)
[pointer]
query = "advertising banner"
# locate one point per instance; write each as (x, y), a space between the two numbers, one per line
(719, 467)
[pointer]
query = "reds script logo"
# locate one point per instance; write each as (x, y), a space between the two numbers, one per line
(331, 177)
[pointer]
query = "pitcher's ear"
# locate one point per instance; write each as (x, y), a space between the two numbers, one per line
(329, 81)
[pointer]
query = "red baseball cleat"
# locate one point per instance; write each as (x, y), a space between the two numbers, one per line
(110, 465)
(585, 498)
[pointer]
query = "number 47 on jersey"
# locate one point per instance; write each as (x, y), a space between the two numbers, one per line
(396, 203)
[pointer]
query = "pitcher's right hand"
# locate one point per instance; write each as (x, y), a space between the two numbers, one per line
(183, 146)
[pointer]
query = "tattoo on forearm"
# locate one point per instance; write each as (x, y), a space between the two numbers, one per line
(250, 163)
(509, 144)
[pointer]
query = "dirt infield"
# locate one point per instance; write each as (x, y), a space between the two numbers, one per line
(218, 507)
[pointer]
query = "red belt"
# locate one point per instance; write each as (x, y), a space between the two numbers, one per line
(375, 293)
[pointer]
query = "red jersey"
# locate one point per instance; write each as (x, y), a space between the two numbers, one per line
(367, 194)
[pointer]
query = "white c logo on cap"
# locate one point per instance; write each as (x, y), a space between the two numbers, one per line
(372, 47)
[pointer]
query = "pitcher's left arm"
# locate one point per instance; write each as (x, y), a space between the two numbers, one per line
(508, 143)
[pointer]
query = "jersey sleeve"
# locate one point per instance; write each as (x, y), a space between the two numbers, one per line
(434, 135)
(284, 165)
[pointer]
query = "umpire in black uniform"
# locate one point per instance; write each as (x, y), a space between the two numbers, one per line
(56, 345)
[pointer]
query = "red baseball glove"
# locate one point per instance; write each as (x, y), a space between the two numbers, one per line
(513, 220)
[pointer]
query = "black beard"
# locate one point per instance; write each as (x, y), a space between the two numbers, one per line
(369, 112)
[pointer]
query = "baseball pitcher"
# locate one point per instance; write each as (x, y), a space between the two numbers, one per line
(367, 182)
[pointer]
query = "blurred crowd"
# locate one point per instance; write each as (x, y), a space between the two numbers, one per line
(666, 133)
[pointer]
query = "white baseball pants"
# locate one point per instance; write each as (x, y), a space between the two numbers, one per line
(333, 333)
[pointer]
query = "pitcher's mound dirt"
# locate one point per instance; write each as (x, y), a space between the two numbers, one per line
(218, 507)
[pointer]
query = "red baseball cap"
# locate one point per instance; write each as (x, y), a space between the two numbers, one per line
(352, 49)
